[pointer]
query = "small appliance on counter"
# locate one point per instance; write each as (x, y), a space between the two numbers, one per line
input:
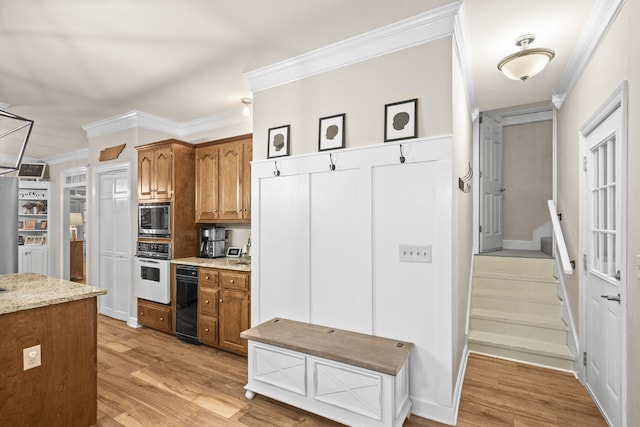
(212, 242)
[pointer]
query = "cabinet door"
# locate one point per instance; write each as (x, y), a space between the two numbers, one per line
(208, 302)
(231, 179)
(246, 184)
(234, 318)
(145, 175)
(208, 330)
(163, 172)
(34, 260)
(207, 170)
(154, 315)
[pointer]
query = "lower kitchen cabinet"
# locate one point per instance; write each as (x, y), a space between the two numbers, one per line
(155, 315)
(223, 308)
(33, 259)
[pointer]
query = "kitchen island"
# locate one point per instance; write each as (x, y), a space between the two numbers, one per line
(60, 317)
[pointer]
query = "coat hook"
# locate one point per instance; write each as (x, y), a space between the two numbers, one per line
(277, 171)
(332, 167)
(402, 159)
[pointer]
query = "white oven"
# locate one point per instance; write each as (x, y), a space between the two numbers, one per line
(152, 281)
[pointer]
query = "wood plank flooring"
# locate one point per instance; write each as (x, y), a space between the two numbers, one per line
(147, 378)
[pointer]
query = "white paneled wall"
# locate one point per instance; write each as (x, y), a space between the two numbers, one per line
(326, 251)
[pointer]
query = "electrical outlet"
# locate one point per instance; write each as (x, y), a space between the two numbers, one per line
(31, 357)
(415, 253)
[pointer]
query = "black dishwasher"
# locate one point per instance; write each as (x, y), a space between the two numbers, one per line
(187, 303)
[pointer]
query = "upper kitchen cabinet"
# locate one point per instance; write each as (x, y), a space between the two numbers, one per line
(223, 180)
(155, 167)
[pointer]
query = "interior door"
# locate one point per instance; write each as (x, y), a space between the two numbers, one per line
(605, 326)
(115, 248)
(491, 186)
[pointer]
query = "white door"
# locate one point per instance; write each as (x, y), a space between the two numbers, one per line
(603, 188)
(114, 268)
(491, 151)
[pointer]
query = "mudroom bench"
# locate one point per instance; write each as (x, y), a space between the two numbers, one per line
(352, 378)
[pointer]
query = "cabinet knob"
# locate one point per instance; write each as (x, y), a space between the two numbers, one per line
(162, 318)
(206, 277)
(215, 210)
(142, 313)
(220, 299)
(232, 281)
(206, 301)
(206, 329)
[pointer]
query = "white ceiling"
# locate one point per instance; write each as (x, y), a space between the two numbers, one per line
(69, 63)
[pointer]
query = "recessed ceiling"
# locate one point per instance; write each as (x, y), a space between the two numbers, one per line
(69, 63)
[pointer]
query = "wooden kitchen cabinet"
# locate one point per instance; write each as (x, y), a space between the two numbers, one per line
(155, 315)
(234, 318)
(223, 308)
(155, 168)
(223, 180)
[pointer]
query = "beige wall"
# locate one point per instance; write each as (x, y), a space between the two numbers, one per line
(361, 91)
(617, 59)
(528, 178)
(462, 215)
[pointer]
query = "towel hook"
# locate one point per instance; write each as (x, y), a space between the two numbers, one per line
(332, 167)
(277, 171)
(402, 159)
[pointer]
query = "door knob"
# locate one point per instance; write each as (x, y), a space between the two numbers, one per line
(611, 297)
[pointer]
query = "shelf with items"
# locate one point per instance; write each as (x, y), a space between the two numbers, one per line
(33, 225)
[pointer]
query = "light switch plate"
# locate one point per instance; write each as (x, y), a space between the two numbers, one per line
(31, 357)
(415, 253)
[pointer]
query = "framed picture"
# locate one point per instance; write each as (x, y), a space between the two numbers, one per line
(44, 240)
(37, 240)
(401, 120)
(20, 224)
(20, 240)
(30, 224)
(43, 225)
(278, 144)
(29, 240)
(331, 132)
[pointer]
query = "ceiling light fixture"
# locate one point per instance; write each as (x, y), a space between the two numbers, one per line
(525, 63)
(22, 131)
(246, 110)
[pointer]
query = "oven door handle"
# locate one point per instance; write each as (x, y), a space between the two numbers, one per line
(149, 261)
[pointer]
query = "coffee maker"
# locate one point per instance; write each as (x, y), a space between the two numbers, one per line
(212, 242)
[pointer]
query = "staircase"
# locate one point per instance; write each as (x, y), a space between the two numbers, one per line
(515, 312)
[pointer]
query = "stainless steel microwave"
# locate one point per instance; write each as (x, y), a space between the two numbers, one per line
(154, 220)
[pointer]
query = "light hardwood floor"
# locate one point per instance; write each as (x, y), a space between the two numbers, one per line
(147, 378)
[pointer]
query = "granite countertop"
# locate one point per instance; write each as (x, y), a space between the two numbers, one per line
(28, 290)
(239, 264)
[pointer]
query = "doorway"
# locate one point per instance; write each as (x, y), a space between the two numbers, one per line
(515, 164)
(74, 233)
(603, 144)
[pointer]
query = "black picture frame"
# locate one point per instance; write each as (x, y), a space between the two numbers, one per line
(401, 120)
(331, 132)
(278, 142)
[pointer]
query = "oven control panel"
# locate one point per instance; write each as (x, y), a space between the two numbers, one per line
(153, 250)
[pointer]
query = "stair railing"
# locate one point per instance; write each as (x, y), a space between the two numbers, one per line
(567, 266)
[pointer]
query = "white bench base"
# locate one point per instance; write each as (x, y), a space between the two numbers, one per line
(344, 393)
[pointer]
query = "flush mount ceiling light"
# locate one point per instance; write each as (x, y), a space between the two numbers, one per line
(246, 110)
(526, 62)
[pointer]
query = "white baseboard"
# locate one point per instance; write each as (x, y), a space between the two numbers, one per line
(132, 322)
(433, 411)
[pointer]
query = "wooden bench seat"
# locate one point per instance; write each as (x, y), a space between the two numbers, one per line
(352, 378)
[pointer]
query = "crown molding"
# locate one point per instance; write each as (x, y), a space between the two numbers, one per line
(82, 154)
(464, 58)
(140, 119)
(426, 27)
(594, 32)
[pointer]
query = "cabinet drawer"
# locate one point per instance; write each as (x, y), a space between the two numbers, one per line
(208, 302)
(208, 330)
(156, 316)
(229, 279)
(207, 277)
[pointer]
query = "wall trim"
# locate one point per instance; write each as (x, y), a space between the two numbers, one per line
(464, 57)
(594, 32)
(419, 29)
(140, 119)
